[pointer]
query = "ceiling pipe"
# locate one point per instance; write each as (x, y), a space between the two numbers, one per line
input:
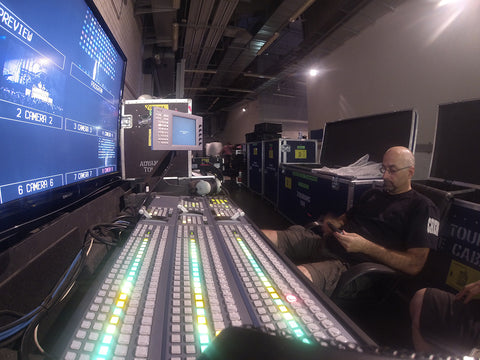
(268, 43)
(300, 11)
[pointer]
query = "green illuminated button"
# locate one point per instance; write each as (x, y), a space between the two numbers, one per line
(103, 351)
(204, 339)
(299, 332)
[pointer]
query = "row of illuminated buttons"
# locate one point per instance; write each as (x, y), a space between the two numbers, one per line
(121, 347)
(182, 316)
(144, 332)
(192, 205)
(212, 283)
(159, 211)
(306, 315)
(266, 290)
(268, 312)
(188, 219)
(91, 327)
(232, 311)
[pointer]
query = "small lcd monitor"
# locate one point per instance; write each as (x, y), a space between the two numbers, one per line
(174, 130)
(61, 82)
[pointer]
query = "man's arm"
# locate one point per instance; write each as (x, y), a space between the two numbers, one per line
(410, 261)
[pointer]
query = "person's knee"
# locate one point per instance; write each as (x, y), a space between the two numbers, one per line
(416, 307)
(305, 272)
(271, 235)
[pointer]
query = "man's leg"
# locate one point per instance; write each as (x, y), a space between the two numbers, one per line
(415, 310)
(272, 236)
(324, 274)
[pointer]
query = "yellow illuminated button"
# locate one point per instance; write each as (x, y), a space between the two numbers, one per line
(120, 303)
(114, 320)
(274, 295)
(283, 309)
(288, 316)
(199, 304)
(123, 297)
(201, 320)
(198, 297)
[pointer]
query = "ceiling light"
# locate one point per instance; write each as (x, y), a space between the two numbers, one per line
(313, 72)
(244, 109)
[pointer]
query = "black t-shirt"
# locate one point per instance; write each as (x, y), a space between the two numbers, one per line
(397, 222)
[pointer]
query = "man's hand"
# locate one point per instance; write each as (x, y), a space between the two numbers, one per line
(410, 261)
(468, 292)
(353, 242)
(338, 222)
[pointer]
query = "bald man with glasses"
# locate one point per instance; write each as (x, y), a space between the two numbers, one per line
(396, 226)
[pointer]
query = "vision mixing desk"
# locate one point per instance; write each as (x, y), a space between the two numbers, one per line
(191, 268)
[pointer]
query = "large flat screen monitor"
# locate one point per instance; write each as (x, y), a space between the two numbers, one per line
(61, 82)
(455, 154)
(345, 141)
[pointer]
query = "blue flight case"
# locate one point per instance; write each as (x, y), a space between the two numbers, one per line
(264, 159)
(254, 166)
(283, 151)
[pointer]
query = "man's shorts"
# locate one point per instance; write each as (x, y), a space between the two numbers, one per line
(305, 247)
(445, 321)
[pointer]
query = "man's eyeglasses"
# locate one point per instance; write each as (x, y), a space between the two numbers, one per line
(391, 170)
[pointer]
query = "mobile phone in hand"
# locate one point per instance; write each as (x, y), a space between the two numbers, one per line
(333, 227)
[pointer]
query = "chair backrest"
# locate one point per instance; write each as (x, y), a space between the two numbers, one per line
(441, 198)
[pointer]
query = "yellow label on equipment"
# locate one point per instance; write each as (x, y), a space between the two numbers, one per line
(288, 182)
(300, 154)
(149, 137)
(460, 275)
(255, 151)
(150, 106)
(270, 154)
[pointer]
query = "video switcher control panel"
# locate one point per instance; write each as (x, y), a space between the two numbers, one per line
(192, 267)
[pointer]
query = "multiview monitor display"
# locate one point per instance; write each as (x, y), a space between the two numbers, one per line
(61, 81)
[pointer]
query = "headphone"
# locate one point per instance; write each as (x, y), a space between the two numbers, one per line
(207, 186)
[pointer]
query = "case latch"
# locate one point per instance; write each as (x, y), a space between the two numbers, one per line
(286, 148)
(335, 183)
(127, 121)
